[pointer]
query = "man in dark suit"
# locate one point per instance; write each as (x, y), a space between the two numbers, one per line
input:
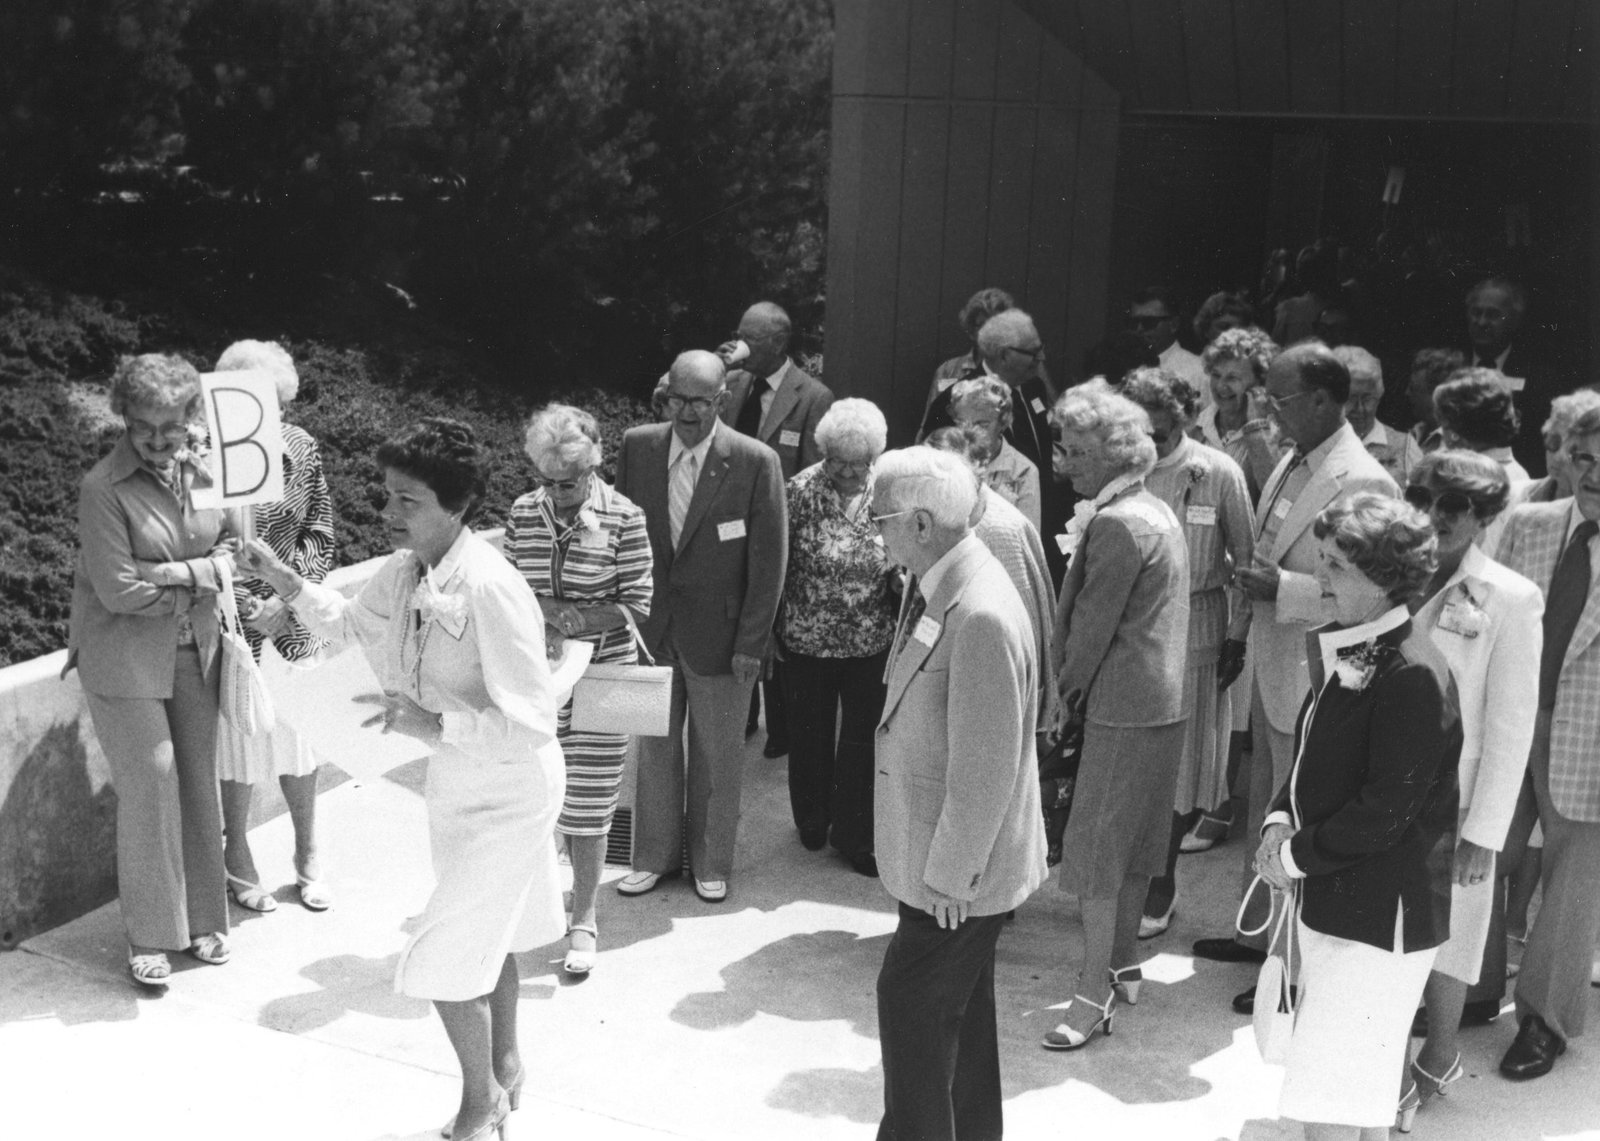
(715, 512)
(772, 400)
(1496, 308)
(959, 833)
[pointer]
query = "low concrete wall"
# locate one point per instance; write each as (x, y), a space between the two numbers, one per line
(57, 805)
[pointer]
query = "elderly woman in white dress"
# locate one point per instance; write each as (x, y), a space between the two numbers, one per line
(1486, 622)
(299, 528)
(984, 404)
(456, 639)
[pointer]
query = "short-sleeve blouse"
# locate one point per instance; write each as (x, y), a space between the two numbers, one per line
(836, 598)
(602, 555)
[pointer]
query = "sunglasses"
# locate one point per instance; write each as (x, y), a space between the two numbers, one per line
(560, 484)
(1445, 502)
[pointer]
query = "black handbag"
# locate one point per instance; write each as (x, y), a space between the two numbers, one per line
(1058, 779)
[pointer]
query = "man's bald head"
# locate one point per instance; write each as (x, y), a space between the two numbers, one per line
(696, 388)
(697, 367)
(765, 328)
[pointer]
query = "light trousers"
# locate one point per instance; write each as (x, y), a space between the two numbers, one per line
(697, 786)
(163, 756)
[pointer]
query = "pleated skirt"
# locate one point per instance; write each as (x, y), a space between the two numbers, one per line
(498, 890)
(1203, 766)
(283, 752)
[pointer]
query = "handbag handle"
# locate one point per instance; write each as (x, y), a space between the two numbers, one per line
(227, 605)
(1280, 928)
(638, 639)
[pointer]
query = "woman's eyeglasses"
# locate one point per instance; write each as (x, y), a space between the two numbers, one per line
(846, 467)
(1445, 502)
(1583, 461)
(142, 430)
(560, 484)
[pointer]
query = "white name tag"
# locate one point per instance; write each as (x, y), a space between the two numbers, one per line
(788, 439)
(1281, 511)
(1201, 515)
(927, 631)
(1038, 405)
(592, 540)
(1515, 383)
(733, 529)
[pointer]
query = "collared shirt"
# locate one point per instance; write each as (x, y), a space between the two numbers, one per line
(675, 448)
(601, 555)
(1574, 520)
(836, 598)
(1279, 495)
(929, 582)
(769, 389)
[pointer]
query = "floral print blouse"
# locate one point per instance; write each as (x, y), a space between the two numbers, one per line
(836, 598)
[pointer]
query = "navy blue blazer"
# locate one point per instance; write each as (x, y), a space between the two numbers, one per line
(1374, 797)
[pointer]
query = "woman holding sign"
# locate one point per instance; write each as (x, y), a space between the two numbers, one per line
(146, 653)
(581, 544)
(456, 639)
(299, 529)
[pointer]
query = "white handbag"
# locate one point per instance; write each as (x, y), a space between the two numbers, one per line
(1275, 997)
(619, 697)
(244, 698)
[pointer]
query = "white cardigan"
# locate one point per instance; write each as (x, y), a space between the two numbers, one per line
(1487, 624)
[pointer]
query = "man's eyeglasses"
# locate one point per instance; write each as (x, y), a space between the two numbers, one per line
(1445, 502)
(1277, 402)
(1582, 461)
(879, 519)
(1034, 354)
(695, 404)
(142, 430)
(560, 484)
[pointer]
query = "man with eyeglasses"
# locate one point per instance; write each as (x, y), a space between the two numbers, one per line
(719, 532)
(1392, 448)
(772, 400)
(1153, 315)
(1307, 387)
(1557, 546)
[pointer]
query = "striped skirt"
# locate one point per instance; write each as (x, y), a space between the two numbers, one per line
(594, 765)
(1203, 768)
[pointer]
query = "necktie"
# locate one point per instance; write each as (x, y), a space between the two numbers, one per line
(1563, 603)
(749, 421)
(680, 491)
(914, 609)
(1265, 519)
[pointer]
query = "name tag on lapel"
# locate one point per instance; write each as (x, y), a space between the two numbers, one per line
(927, 631)
(592, 540)
(788, 439)
(1038, 405)
(733, 529)
(1281, 511)
(1201, 515)
(1515, 383)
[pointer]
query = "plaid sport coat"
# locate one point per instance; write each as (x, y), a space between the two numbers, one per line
(1531, 545)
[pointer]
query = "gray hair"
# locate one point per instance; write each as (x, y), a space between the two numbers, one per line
(263, 356)
(853, 422)
(1358, 362)
(939, 483)
(1565, 411)
(1122, 427)
(155, 379)
(983, 390)
(569, 436)
(1002, 331)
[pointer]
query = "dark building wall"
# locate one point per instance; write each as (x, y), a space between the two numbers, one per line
(969, 148)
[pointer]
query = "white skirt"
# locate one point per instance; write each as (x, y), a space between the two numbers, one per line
(1352, 1029)
(498, 890)
(1461, 956)
(284, 752)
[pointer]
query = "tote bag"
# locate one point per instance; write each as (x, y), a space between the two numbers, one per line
(1274, 1008)
(616, 697)
(244, 698)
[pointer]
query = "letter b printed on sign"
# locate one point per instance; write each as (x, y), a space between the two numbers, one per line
(246, 458)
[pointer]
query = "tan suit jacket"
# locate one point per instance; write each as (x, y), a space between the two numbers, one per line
(957, 790)
(789, 425)
(717, 593)
(1278, 629)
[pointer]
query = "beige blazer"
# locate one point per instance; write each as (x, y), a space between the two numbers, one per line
(1486, 624)
(1278, 629)
(957, 790)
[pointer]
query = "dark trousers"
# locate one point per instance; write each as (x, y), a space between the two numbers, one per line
(771, 691)
(834, 706)
(936, 1024)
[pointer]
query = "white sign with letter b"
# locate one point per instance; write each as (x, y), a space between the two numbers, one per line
(246, 458)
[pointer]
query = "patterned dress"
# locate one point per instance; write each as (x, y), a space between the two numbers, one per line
(603, 555)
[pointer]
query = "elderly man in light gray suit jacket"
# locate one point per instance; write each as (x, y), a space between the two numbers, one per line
(960, 838)
(1308, 388)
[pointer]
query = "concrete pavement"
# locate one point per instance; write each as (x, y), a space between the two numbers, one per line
(754, 1019)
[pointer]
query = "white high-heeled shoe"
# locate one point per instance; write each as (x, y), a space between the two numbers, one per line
(1064, 1037)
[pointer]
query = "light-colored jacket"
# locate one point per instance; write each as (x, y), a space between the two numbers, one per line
(957, 790)
(1278, 629)
(1531, 546)
(1486, 624)
(1013, 541)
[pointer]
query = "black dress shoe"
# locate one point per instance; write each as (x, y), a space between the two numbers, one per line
(1228, 951)
(775, 749)
(814, 837)
(1534, 1051)
(1245, 1001)
(865, 864)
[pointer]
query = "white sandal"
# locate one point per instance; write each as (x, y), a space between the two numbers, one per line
(250, 895)
(152, 970)
(314, 894)
(578, 961)
(212, 948)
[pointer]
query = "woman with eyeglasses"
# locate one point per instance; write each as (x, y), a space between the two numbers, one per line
(144, 639)
(582, 546)
(834, 628)
(1564, 412)
(984, 405)
(1486, 622)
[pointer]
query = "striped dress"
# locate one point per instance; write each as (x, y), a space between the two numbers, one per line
(299, 529)
(607, 562)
